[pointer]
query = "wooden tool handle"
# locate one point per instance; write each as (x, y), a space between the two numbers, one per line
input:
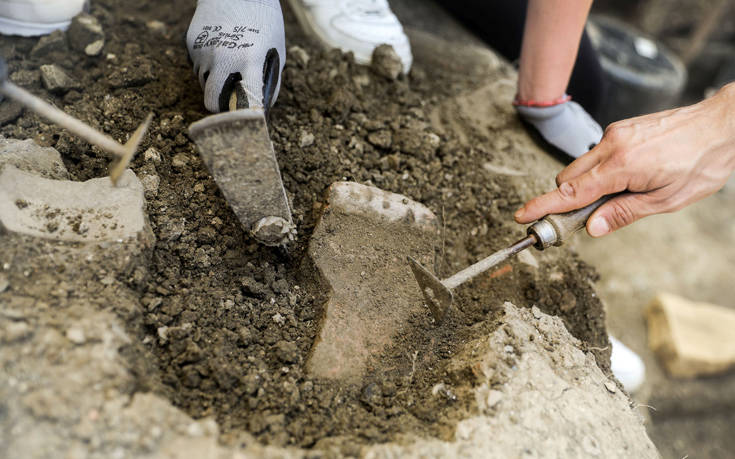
(556, 229)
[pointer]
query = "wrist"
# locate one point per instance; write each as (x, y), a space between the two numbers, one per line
(723, 105)
(530, 102)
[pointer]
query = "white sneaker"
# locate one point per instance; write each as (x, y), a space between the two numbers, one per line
(627, 366)
(30, 18)
(359, 26)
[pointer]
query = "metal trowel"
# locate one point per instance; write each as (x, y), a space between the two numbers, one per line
(552, 230)
(238, 152)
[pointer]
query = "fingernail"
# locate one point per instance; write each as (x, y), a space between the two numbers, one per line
(599, 227)
(519, 213)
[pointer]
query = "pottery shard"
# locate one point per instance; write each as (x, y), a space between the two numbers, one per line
(359, 248)
(691, 339)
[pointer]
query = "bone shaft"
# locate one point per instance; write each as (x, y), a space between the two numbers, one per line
(64, 120)
(487, 263)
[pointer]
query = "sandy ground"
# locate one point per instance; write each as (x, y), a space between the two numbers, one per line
(691, 254)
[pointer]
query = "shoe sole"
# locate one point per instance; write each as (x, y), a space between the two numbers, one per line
(30, 29)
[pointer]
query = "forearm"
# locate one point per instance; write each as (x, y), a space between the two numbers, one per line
(550, 43)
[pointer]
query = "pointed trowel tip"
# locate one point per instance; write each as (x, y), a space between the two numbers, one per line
(438, 297)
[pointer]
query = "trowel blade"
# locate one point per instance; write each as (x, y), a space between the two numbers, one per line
(239, 154)
(438, 297)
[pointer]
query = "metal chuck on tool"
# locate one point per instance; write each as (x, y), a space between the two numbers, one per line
(552, 230)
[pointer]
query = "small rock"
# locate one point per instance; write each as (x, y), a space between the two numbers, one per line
(28, 156)
(76, 335)
(137, 74)
(381, 139)
(568, 301)
(180, 161)
(278, 318)
(245, 335)
(299, 55)
(15, 331)
(536, 312)
(251, 383)
(371, 394)
(9, 112)
(25, 77)
(152, 154)
(52, 43)
(306, 140)
(86, 35)
(57, 81)
(527, 258)
(386, 62)
(4, 284)
(611, 387)
(150, 185)
(287, 352)
(493, 398)
(157, 27)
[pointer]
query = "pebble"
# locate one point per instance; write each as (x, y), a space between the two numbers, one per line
(4, 283)
(299, 55)
(527, 258)
(86, 35)
(150, 185)
(611, 387)
(56, 80)
(493, 398)
(157, 27)
(152, 154)
(25, 77)
(287, 352)
(251, 383)
(16, 331)
(76, 335)
(536, 312)
(54, 42)
(386, 63)
(9, 112)
(381, 139)
(306, 140)
(245, 335)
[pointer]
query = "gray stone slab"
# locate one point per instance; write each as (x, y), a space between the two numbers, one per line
(27, 155)
(91, 211)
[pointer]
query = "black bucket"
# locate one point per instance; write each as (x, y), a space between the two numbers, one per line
(643, 76)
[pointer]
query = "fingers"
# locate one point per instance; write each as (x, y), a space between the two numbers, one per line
(617, 213)
(584, 163)
(570, 195)
(213, 90)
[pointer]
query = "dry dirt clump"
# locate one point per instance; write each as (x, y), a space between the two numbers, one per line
(221, 326)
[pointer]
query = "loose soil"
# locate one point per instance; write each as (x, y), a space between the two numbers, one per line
(228, 324)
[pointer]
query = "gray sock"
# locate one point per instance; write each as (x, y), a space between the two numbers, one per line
(567, 126)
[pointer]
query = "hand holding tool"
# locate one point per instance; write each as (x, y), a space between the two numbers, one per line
(552, 230)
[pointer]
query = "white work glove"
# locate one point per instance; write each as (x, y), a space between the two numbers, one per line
(238, 45)
(567, 126)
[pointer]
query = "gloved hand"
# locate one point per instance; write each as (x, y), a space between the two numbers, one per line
(566, 125)
(238, 45)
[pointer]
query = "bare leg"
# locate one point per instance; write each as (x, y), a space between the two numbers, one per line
(550, 43)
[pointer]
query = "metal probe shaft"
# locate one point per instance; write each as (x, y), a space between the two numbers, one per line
(487, 263)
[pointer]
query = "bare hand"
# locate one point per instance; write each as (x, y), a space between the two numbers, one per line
(665, 161)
